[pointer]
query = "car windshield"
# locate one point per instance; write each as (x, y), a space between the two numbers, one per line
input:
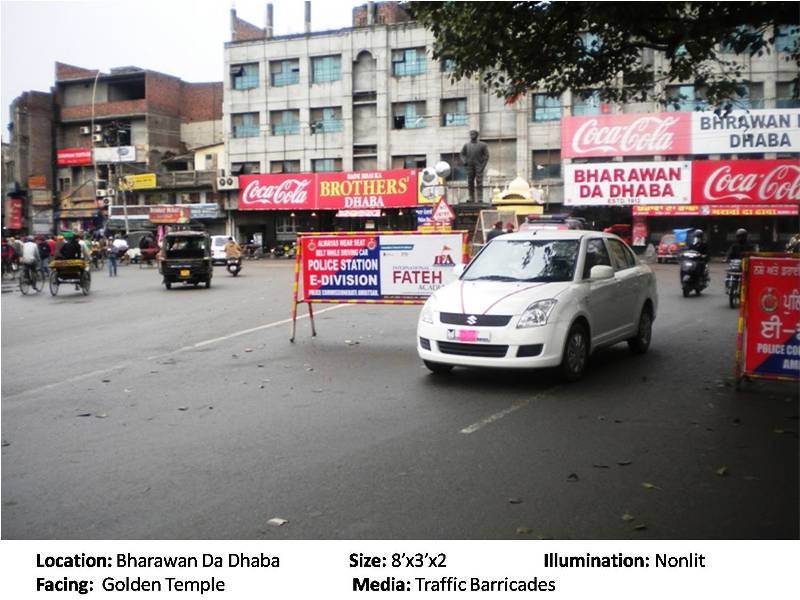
(525, 260)
(220, 241)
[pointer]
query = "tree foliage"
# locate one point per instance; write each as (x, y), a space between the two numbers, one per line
(516, 47)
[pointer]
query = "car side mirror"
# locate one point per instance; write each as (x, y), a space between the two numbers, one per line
(601, 272)
(458, 270)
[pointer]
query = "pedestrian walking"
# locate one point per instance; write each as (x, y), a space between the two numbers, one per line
(112, 252)
(44, 255)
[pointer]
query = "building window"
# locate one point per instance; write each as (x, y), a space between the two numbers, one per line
(244, 77)
(684, 98)
(326, 68)
(285, 224)
(412, 161)
(753, 97)
(448, 65)
(284, 166)
(326, 165)
(458, 172)
(787, 38)
(408, 115)
(326, 120)
(728, 46)
(786, 95)
(284, 72)
(246, 168)
(407, 62)
(587, 103)
(546, 164)
(546, 108)
(454, 112)
(284, 122)
(245, 125)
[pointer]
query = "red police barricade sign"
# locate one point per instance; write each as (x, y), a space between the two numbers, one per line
(382, 267)
(769, 318)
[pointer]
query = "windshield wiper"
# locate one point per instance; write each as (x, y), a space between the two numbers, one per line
(493, 278)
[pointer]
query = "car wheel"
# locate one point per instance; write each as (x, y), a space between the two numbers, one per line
(438, 368)
(168, 285)
(639, 343)
(208, 283)
(576, 353)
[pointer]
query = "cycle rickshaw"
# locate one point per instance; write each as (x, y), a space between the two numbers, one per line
(71, 271)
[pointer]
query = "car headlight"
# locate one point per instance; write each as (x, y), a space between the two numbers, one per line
(428, 311)
(536, 314)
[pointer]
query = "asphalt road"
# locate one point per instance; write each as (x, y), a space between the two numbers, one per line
(205, 422)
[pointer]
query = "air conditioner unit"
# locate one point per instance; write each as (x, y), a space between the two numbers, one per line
(97, 137)
(112, 191)
(86, 130)
(98, 129)
(102, 193)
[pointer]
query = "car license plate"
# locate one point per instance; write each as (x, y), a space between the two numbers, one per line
(468, 335)
(184, 273)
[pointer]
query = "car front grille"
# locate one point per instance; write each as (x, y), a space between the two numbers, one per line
(474, 320)
(484, 350)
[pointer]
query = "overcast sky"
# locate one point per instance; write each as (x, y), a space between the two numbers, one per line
(180, 37)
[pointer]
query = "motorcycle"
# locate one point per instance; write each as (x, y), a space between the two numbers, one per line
(284, 250)
(694, 272)
(733, 282)
(234, 265)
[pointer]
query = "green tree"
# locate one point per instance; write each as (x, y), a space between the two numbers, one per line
(516, 47)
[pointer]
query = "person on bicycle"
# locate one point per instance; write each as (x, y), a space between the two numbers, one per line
(30, 254)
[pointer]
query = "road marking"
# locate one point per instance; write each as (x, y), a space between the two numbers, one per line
(515, 406)
(119, 366)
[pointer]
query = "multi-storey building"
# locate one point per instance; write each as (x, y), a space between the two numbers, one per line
(371, 97)
(101, 148)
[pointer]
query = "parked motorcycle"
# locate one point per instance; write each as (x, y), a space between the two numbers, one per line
(694, 272)
(285, 250)
(234, 265)
(733, 282)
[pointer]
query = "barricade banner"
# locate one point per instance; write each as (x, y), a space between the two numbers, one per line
(382, 267)
(769, 318)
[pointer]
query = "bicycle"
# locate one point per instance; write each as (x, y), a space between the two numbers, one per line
(30, 277)
(10, 268)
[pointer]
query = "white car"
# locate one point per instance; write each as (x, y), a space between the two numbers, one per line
(218, 249)
(540, 299)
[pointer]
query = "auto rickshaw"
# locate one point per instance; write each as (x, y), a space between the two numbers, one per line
(186, 258)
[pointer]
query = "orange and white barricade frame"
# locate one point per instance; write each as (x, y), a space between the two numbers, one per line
(298, 298)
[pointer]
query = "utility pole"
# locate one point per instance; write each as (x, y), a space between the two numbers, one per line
(121, 185)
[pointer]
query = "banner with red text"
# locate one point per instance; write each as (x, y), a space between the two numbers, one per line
(771, 314)
(358, 190)
(626, 135)
(746, 182)
(716, 210)
(67, 157)
(601, 184)
(381, 267)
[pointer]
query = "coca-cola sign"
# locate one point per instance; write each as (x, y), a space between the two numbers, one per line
(642, 134)
(296, 191)
(746, 182)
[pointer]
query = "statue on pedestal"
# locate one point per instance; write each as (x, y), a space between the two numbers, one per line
(475, 156)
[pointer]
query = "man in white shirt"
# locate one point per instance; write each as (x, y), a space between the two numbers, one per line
(30, 253)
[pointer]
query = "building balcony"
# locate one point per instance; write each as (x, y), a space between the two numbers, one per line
(185, 179)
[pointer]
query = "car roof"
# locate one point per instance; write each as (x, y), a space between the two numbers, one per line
(186, 234)
(554, 234)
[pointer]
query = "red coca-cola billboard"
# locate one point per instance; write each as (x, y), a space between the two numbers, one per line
(746, 182)
(356, 190)
(296, 191)
(641, 134)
